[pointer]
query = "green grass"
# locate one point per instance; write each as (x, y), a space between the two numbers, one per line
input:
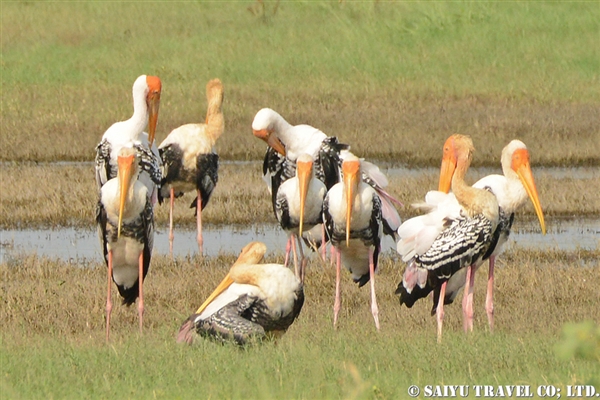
(542, 50)
(52, 334)
(391, 71)
(329, 365)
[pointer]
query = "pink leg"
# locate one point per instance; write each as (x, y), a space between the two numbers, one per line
(141, 280)
(440, 312)
(465, 301)
(171, 234)
(108, 295)
(199, 221)
(470, 299)
(374, 308)
(323, 244)
(288, 248)
(489, 298)
(338, 297)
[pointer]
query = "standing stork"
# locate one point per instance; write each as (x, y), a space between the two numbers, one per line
(352, 216)
(252, 301)
(461, 241)
(190, 161)
(299, 206)
(287, 142)
(511, 190)
(146, 101)
(126, 230)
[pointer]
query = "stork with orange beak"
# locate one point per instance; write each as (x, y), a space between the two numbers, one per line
(451, 244)
(146, 101)
(287, 142)
(253, 300)
(352, 216)
(511, 190)
(126, 231)
(299, 207)
(191, 162)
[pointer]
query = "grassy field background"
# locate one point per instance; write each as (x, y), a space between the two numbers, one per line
(393, 79)
(53, 346)
(393, 72)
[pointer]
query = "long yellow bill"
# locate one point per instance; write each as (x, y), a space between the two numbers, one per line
(125, 164)
(153, 105)
(252, 253)
(304, 171)
(271, 139)
(351, 170)
(449, 161)
(520, 164)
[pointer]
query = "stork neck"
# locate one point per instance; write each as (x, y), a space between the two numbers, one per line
(139, 119)
(214, 119)
(283, 130)
(244, 274)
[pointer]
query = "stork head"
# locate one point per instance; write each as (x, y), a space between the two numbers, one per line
(252, 253)
(458, 149)
(152, 102)
(516, 155)
(263, 128)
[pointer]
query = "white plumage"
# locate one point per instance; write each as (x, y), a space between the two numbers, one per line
(130, 133)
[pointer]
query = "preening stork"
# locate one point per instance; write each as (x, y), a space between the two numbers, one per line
(253, 301)
(446, 245)
(299, 207)
(126, 231)
(190, 161)
(511, 190)
(146, 101)
(352, 216)
(287, 142)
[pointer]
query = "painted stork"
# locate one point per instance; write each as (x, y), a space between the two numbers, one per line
(352, 216)
(146, 101)
(190, 161)
(287, 142)
(447, 245)
(253, 301)
(126, 230)
(299, 206)
(511, 190)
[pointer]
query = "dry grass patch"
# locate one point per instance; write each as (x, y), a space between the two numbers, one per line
(384, 124)
(52, 330)
(535, 292)
(66, 195)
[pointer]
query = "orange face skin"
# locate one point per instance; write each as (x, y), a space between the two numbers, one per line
(449, 161)
(271, 139)
(520, 164)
